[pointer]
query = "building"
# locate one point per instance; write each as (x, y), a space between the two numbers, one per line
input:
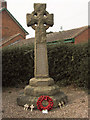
(74, 36)
(11, 31)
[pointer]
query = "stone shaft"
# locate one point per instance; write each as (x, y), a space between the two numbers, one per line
(41, 59)
(40, 20)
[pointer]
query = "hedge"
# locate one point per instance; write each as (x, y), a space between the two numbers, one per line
(17, 65)
(68, 64)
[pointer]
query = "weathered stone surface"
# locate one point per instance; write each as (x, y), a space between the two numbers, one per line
(26, 99)
(41, 82)
(40, 20)
(38, 16)
(41, 61)
(41, 90)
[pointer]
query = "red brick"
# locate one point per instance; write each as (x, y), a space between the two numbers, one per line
(82, 37)
(9, 26)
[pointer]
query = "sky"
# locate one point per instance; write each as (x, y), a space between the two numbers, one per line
(69, 14)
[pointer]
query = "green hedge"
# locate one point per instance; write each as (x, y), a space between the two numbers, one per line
(17, 65)
(68, 64)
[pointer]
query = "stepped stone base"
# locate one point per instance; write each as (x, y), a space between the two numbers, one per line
(38, 91)
(36, 88)
(26, 99)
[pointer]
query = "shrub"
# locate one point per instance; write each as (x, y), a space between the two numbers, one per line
(68, 64)
(17, 65)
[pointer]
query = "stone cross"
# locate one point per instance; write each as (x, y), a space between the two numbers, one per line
(32, 107)
(40, 20)
(26, 106)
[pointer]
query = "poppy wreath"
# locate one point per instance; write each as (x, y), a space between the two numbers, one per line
(41, 99)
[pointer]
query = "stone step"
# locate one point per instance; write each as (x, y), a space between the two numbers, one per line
(26, 99)
(41, 90)
(41, 82)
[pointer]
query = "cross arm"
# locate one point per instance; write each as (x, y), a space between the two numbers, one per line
(49, 20)
(31, 20)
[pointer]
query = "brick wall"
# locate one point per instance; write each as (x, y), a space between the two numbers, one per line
(83, 37)
(9, 26)
(3, 4)
(13, 40)
(89, 33)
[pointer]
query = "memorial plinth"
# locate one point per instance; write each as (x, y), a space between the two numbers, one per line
(40, 20)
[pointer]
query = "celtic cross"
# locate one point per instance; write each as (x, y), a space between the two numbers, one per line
(40, 20)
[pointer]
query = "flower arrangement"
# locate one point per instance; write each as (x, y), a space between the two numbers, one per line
(41, 99)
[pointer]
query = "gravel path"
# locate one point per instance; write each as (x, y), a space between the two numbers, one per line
(76, 108)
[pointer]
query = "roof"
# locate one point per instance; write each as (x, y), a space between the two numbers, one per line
(58, 36)
(25, 42)
(2, 9)
(65, 35)
(6, 40)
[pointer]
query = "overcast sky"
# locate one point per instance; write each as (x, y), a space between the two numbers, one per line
(67, 13)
